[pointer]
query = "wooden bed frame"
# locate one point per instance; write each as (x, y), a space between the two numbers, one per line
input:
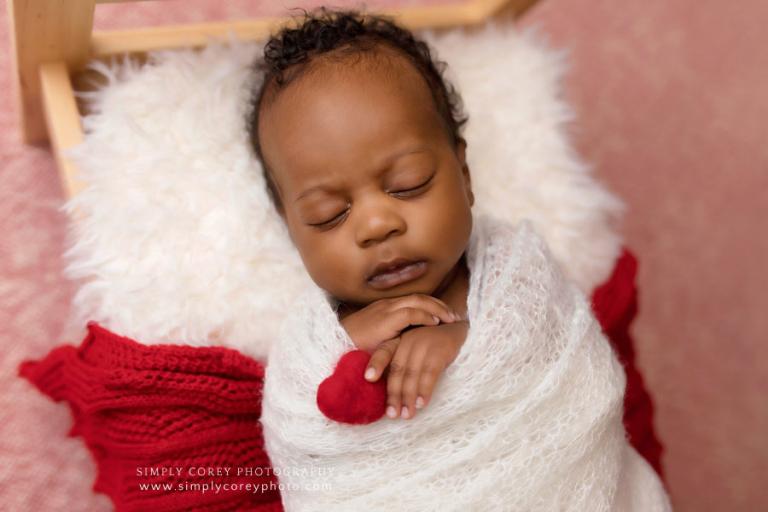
(53, 40)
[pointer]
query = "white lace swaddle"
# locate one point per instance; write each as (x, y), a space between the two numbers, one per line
(528, 417)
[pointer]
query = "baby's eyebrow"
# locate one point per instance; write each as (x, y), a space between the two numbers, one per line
(421, 148)
(384, 167)
(313, 189)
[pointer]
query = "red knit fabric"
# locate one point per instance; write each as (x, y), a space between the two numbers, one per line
(172, 406)
(164, 406)
(615, 306)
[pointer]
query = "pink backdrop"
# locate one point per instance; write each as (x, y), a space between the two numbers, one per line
(672, 100)
(672, 109)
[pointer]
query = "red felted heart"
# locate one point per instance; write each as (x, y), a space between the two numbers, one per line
(347, 397)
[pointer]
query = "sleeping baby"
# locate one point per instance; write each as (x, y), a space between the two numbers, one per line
(501, 391)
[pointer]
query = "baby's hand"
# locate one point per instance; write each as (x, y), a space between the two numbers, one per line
(418, 358)
(386, 318)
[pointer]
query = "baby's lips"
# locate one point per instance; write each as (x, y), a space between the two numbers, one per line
(345, 396)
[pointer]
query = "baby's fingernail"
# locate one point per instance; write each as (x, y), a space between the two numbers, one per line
(370, 374)
(419, 402)
(454, 316)
(435, 319)
(405, 412)
(391, 412)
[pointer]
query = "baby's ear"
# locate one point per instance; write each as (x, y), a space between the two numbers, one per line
(461, 154)
(280, 210)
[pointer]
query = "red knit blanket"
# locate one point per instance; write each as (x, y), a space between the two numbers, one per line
(614, 304)
(164, 422)
(171, 414)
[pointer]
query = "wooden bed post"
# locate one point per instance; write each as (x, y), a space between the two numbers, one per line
(45, 31)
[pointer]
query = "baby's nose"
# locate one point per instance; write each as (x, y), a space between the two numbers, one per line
(376, 227)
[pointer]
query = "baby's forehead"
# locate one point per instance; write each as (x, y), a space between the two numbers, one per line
(377, 97)
(350, 111)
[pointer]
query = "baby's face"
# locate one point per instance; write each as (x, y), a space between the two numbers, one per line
(367, 174)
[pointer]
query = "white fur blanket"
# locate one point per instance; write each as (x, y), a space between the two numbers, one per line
(528, 416)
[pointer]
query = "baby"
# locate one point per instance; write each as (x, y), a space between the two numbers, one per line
(359, 138)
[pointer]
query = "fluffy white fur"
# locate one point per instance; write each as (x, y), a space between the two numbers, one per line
(177, 242)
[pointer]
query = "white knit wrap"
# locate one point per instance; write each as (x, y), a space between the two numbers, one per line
(528, 417)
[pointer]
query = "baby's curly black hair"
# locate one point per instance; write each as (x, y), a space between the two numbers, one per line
(321, 31)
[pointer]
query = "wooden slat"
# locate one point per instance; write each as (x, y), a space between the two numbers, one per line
(106, 43)
(45, 31)
(63, 121)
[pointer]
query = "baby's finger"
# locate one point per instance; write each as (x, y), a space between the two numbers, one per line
(408, 316)
(381, 358)
(395, 379)
(430, 374)
(429, 304)
(411, 377)
(437, 306)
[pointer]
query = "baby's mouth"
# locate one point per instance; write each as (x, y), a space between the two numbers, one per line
(400, 273)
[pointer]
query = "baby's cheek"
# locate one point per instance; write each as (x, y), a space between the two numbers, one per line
(337, 275)
(450, 228)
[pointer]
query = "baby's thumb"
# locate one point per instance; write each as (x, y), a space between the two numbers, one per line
(381, 358)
